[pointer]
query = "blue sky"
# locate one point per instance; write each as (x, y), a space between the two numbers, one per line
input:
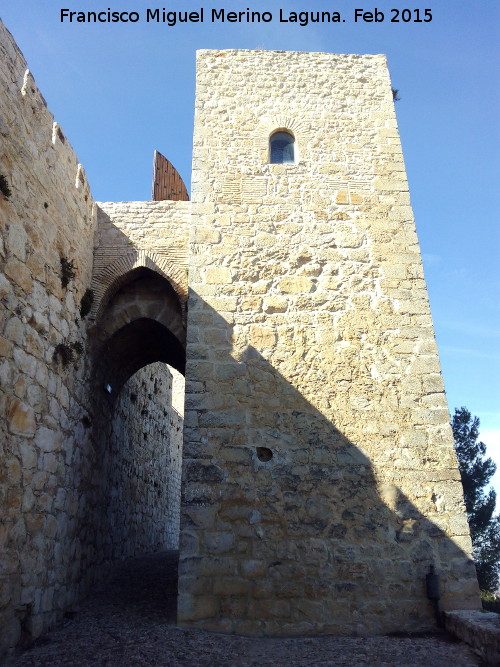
(120, 91)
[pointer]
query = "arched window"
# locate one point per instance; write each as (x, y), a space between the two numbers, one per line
(282, 148)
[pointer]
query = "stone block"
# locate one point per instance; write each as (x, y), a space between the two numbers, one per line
(275, 304)
(14, 331)
(230, 371)
(262, 337)
(21, 418)
(295, 285)
(218, 276)
(195, 608)
(273, 608)
(210, 236)
(219, 542)
(12, 470)
(5, 347)
(253, 569)
(478, 629)
(48, 440)
(19, 273)
(231, 587)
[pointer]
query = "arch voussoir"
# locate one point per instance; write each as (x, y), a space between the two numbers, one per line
(109, 280)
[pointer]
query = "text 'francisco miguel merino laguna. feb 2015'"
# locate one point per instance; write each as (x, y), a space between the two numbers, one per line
(212, 15)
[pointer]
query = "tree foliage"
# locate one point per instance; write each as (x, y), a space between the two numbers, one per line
(476, 471)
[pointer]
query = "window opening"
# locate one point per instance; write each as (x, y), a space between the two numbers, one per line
(282, 148)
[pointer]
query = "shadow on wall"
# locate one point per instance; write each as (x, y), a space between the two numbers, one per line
(131, 478)
(286, 528)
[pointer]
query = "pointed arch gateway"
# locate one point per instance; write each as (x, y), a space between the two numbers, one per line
(140, 320)
(139, 337)
(116, 273)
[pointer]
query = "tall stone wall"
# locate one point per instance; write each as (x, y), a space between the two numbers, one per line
(74, 496)
(320, 480)
(47, 216)
(143, 468)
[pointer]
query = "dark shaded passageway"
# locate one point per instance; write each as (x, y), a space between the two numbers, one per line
(132, 480)
(144, 588)
(115, 624)
(130, 621)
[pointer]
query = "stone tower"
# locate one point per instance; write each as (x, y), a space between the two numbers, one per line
(320, 478)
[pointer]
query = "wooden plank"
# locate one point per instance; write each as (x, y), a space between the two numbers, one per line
(167, 182)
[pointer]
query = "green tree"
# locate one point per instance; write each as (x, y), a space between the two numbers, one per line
(476, 471)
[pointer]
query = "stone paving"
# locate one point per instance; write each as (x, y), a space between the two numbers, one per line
(130, 621)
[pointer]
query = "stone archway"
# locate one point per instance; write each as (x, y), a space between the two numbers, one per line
(116, 270)
(138, 352)
(141, 320)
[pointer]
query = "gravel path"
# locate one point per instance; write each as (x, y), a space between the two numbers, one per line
(130, 621)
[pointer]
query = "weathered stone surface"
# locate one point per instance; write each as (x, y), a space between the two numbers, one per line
(48, 440)
(46, 218)
(294, 284)
(319, 438)
(149, 584)
(19, 274)
(21, 418)
(144, 445)
(319, 472)
(479, 629)
(219, 275)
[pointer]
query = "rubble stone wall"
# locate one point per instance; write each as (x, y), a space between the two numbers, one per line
(56, 463)
(319, 475)
(47, 216)
(144, 450)
(320, 480)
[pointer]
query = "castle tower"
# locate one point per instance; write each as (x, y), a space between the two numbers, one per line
(320, 478)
